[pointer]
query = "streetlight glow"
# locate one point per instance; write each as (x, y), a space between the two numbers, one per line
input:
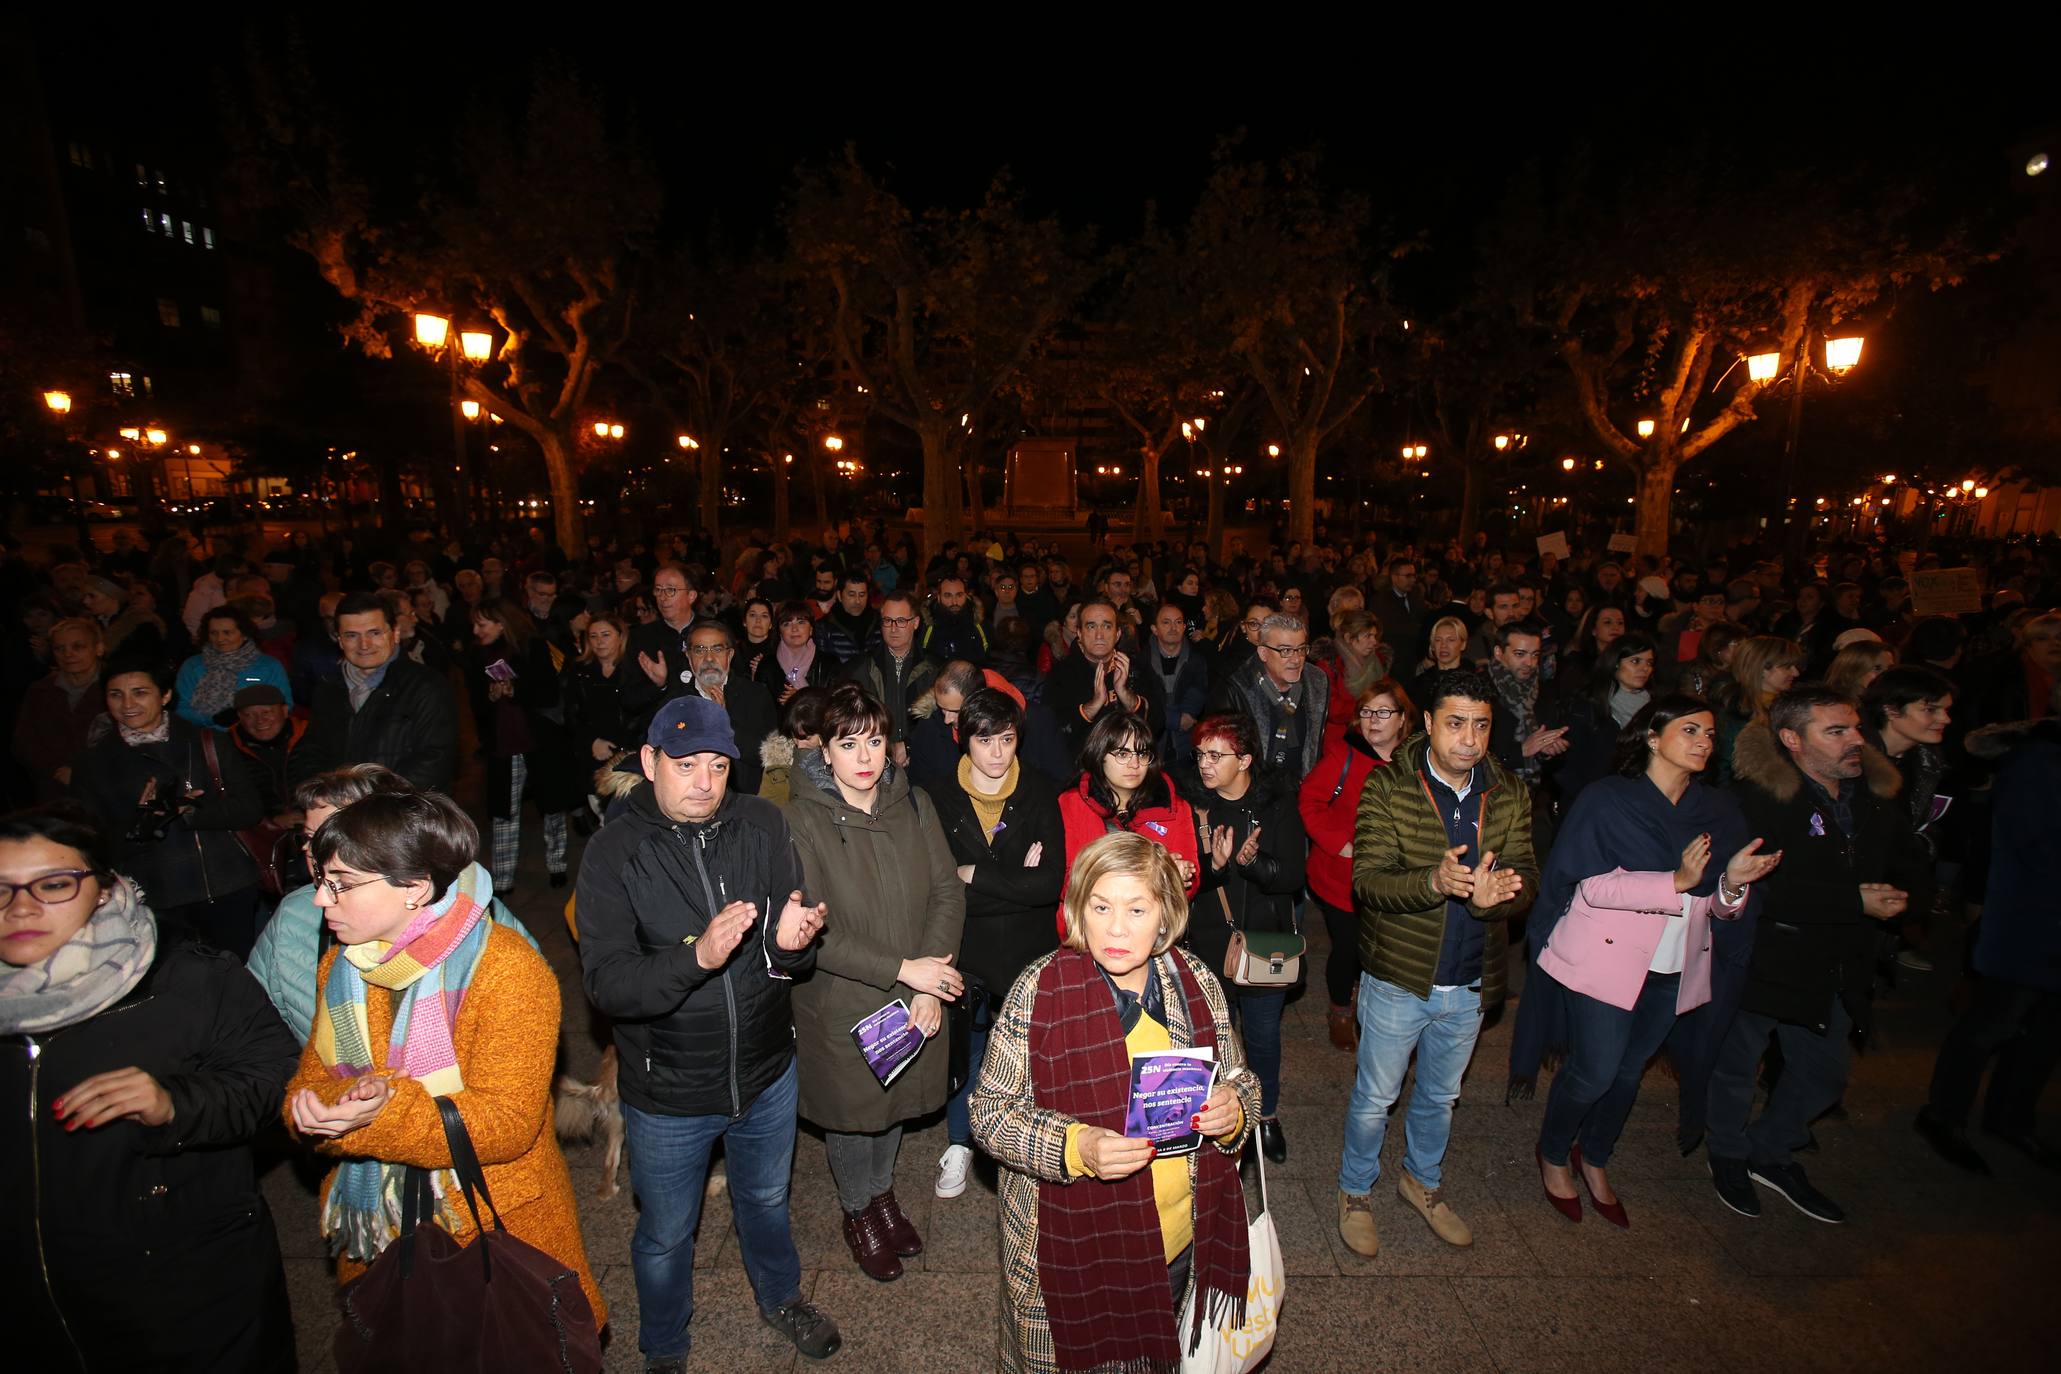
(60, 402)
(1502, 442)
(833, 443)
(688, 441)
(1981, 493)
(1967, 484)
(615, 431)
(1841, 355)
(1762, 367)
(469, 409)
(477, 345)
(1645, 429)
(601, 429)
(1567, 465)
(193, 449)
(155, 437)
(132, 434)
(1273, 450)
(431, 330)
(1888, 479)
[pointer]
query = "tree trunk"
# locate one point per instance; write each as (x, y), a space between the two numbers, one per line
(942, 515)
(817, 482)
(712, 483)
(1656, 494)
(781, 476)
(976, 507)
(1470, 498)
(1302, 486)
(1215, 536)
(1150, 521)
(566, 519)
(391, 500)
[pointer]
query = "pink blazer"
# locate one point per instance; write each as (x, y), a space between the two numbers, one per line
(1604, 943)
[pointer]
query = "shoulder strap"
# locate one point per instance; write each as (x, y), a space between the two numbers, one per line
(472, 1179)
(1343, 773)
(214, 763)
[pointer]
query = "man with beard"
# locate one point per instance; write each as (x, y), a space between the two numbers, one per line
(1812, 790)
(1520, 743)
(747, 703)
(954, 630)
(851, 627)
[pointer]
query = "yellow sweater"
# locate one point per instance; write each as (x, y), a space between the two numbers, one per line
(1171, 1192)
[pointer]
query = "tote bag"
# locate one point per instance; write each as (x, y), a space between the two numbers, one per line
(1227, 1349)
(498, 1305)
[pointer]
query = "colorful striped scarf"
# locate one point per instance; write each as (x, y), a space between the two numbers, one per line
(431, 966)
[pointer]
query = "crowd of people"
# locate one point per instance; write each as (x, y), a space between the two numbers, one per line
(1040, 807)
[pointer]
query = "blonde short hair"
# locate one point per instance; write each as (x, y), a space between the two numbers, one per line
(1123, 854)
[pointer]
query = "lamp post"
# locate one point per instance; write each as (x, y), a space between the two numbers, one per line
(1842, 355)
(475, 346)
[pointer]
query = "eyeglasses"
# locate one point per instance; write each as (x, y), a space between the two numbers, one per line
(1288, 651)
(51, 889)
(1249, 624)
(1130, 755)
(1215, 756)
(1379, 712)
(336, 889)
(898, 621)
(707, 650)
(669, 591)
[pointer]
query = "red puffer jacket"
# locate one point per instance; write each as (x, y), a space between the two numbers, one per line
(1330, 806)
(1158, 814)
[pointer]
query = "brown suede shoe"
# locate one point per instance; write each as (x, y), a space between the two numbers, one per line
(1445, 1222)
(901, 1232)
(1345, 1029)
(867, 1237)
(1356, 1224)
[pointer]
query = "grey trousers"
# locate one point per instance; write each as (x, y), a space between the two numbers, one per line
(862, 1166)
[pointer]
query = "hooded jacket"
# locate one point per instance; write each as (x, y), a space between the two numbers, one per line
(1814, 941)
(1006, 901)
(691, 1041)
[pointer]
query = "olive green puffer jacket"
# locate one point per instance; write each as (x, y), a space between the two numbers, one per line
(1398, 842)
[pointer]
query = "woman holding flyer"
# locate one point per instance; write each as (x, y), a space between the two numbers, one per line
(1102, 1194)
(873, 850)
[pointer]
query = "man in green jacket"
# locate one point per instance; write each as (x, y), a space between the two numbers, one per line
(1442, 858)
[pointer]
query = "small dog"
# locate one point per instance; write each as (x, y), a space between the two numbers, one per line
(591, 1111)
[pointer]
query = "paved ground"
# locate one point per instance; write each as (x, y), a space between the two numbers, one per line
(1934, 1270)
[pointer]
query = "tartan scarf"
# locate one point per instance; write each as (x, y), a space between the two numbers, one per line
(1520, 701)
(1101, 1257)
(430, 966)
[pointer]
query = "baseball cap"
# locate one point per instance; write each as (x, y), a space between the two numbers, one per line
(691, 725)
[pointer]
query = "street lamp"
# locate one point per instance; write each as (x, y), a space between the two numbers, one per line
(477, 345)
(1273, 450)
(431, 330)
(1842, 355)
(469, 409)
(155, 437)
(1645, 429)
(1567, 465)
(834, 443)
(60, 402)
(1502, 442)
(1762, 367)
(688, 441)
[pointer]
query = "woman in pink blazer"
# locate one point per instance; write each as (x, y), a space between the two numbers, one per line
(1631, 950)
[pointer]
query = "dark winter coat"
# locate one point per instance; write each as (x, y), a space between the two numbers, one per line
(1814, 942)
(889, 878)
(1070, 686)
(199, 859)
(1246, 690)
(529, 723)
(689, 1041)
(2019, 937)
(753, 718)
(50, 730)
(616, 708)
(875, 671)
(1260, 895)
(156, 1243)
(1008, 906)
(1398, 842)
(409, 723)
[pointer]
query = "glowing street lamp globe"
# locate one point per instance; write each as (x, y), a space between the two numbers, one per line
(477, 345)
(60, 402)
(1762, 367)
(1842, 355)
(431, 330)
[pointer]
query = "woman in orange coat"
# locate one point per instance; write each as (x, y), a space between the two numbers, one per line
(426, 997)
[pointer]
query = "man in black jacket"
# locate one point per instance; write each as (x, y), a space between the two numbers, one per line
(385, 708)
(1099, 676)
(894, 670)
(1812, 790)
(1002, 821)
(680, 944)
(748, 704)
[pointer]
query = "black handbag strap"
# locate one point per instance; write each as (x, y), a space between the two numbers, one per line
(1343, 773)
(472, 1179)
(418, 1203)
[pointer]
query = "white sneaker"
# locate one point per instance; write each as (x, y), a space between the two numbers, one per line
(952, 1167)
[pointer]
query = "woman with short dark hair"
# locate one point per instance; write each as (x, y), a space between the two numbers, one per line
(230, 660)
(1618, 687)
(1119, 789)
(428, 998)
(797, 661)
(140, 1069)
(874, 851)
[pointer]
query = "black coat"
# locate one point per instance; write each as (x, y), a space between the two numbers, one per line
(409, 723)
(752, 717)
(1070, 686)
(199, 859)
(1260, 895)
(823, 670)
(158, 1246)
(616, 708)
(1008, 906)
(690, 1042)
(1814, 941)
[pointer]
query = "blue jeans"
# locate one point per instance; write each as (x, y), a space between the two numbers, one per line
(1393, 1023)
(1607, 1050)
(1258, 1018)
(669, 1170)
(958, 1124)
(1813, 1077)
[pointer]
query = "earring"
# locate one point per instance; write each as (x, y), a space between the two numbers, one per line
(411, 906)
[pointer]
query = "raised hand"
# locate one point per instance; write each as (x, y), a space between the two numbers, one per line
(1695, 858)
(1494, 886)
(654, 668)
(1249, 851)
(1222, 840)
(1749, 865)
(715, 945)
(799, 922)
(1035, 855)
(1454, 879)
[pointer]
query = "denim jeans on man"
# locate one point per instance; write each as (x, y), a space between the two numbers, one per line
(958, 1123)
(1257, 1014)
(1393, 1022)
(669, 1171)
(1607, 1050)
(1813, 1077)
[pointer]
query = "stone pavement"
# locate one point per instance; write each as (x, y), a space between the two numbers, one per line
(1933, 1271)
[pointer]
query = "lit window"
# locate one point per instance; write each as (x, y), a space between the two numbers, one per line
(142, 177)
(207, 236)
(121, 383)
(147, 388)
(168, 312)
(149, 221)
(161, 186)
(211, 316)
(164, 222)
(186, 228)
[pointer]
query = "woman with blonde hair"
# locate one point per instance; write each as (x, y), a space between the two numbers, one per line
(1446, 652)
(1104, 1243)
(1763, 668)
(1857, 665)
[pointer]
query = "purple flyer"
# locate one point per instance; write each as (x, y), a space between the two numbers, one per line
(1168, 1087)
(888, 1040)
